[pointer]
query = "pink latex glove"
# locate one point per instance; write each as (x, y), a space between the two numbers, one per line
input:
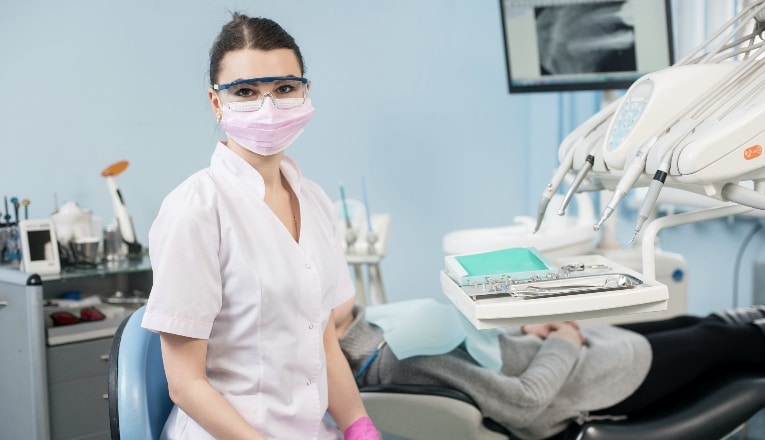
(361, 429)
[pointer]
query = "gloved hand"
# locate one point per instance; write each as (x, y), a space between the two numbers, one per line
(361, 429)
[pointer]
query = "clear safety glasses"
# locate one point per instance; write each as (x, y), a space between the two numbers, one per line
(249, 95)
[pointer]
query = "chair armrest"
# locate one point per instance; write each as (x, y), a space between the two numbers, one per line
(428, 412)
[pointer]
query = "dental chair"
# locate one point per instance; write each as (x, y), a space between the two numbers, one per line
(139, 402)
(715, 409)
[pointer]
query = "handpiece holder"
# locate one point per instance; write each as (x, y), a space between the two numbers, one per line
(371, 241)
(350, 238)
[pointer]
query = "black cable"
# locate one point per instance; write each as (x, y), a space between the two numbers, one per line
(737, 264)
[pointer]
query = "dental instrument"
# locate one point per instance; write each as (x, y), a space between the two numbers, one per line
(366, 204)
(366, 241)
(371, 234)
(7, 212)
(589, 161)
(582, 135)
(16, 205)
(720, 75)
(350, 233)
(725, 104)
(124, 220)
(649, 202)
(695, 126)
(552, 187)
(634, 170)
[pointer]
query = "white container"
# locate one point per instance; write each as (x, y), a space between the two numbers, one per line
(558, 235)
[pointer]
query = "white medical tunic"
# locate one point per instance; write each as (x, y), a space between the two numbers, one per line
(227, 270)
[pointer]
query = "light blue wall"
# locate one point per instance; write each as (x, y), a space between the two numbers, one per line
(410, 95)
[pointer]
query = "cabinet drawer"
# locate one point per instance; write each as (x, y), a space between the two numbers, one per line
(79, 360)
(79, 409)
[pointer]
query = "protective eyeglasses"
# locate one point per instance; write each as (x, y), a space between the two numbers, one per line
(249, 95)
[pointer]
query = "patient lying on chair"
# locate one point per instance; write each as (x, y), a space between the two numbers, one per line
(535, 379)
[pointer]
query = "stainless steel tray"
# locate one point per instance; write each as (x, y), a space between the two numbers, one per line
(551, 288)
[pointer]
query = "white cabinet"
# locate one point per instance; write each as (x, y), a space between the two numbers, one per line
(53, 382)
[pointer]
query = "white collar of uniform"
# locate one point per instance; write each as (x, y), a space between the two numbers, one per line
(225, 157)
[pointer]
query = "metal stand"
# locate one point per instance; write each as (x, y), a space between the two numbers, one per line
(367, 249)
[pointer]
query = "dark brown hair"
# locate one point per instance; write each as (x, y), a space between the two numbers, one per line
(244, 32)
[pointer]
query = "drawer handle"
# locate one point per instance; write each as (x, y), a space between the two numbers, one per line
(105, 396)
(104, 357)
(3, 302)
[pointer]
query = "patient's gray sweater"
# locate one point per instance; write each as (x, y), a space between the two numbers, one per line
(544, 383)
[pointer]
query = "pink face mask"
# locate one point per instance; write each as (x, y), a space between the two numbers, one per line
(268, 130)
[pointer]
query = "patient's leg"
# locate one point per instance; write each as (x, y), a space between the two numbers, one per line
(663, 325)
(683, 354)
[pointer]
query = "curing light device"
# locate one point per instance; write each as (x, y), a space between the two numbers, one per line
(120, 210)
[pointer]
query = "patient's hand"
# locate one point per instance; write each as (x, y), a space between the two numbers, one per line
(543, 330)
(569, 332)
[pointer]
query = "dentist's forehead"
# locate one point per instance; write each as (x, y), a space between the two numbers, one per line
(255, 63)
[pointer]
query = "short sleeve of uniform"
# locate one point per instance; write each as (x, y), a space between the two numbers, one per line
(183, 246)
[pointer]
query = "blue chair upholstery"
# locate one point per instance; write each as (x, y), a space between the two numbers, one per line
(139, 402)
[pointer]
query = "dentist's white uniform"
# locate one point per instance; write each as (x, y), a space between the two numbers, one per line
(227, 270)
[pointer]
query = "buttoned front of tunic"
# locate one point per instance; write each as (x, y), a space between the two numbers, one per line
(226, 269)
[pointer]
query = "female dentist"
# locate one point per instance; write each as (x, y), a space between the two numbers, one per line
(248, 265)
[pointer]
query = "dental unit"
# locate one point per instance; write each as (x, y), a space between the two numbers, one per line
(696, 126)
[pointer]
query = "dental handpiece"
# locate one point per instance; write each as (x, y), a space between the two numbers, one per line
(589, 161)
(553, 185)
(649, 203)
(634, 170)
(15, 202)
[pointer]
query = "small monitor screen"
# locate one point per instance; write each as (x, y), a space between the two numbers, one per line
(39, 245)
(560, 45)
